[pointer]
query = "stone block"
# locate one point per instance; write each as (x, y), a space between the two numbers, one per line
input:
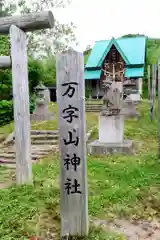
(98, 148)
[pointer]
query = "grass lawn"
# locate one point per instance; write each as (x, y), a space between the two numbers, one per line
(119, 187)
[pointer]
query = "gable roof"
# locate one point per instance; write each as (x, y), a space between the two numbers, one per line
(131, 49)
(115, 43)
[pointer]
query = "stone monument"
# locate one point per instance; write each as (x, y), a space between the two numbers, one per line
(41, 112)
(129, 105)
(111, 123)
(135, 89)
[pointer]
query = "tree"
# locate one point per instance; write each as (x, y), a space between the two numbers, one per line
(86, 53)
(7, 8)
(133, 35)
(49, 66)
(50, 40)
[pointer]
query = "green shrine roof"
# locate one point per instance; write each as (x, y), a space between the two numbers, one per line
(132, 50)
(134, 72)
(129, 72)
(92, 74)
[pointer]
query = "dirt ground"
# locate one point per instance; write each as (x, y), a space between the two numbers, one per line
(132, 230)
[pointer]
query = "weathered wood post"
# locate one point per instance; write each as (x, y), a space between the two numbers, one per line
(149, 82)
(72, 143)
(159, 109)
(17, 26)
(153, 92)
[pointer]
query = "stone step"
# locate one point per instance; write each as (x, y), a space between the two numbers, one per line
(93, 110)
(8, 165)
(45, 132)
(97, 106)
(42, 149)
(42, 152)
(44, 142)
(44, 136)
(11, 164)
(45, 147)
(34, 147)
(11, 156)
(93, 107)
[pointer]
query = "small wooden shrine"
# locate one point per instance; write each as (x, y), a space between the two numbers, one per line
(120, 60)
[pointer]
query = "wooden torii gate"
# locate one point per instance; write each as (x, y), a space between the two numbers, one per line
(17, 26)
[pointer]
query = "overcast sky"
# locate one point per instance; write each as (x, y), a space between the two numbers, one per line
(102, 19)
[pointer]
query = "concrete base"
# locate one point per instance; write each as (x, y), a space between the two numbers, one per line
(40, 117)
(136, 97)
(42, 113)
(97, 148)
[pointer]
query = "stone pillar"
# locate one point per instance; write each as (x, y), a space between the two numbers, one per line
(47, 95)
(140, 86)
(136, 97)
(97, 88)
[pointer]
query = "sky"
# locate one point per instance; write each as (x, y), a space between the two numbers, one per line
(104, 19)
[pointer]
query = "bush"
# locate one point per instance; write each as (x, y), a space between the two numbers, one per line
(49, 72)
(6, 112)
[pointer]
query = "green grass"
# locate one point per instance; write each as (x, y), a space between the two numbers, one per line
(119, 186)
(27, 211)
(5, 131)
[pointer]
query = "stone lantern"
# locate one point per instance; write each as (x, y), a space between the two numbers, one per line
(40, 94)
(42, 99)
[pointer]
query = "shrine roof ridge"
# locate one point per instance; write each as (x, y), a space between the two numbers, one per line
(132, 51)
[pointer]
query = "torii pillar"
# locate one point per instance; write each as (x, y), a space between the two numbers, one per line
(16, 26)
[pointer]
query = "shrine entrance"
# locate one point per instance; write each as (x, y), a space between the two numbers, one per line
(113, 67)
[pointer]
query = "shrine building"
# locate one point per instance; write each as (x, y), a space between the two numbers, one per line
(121, 59)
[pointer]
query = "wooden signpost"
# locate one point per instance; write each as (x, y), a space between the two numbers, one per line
(72, 143)
(16, 26)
